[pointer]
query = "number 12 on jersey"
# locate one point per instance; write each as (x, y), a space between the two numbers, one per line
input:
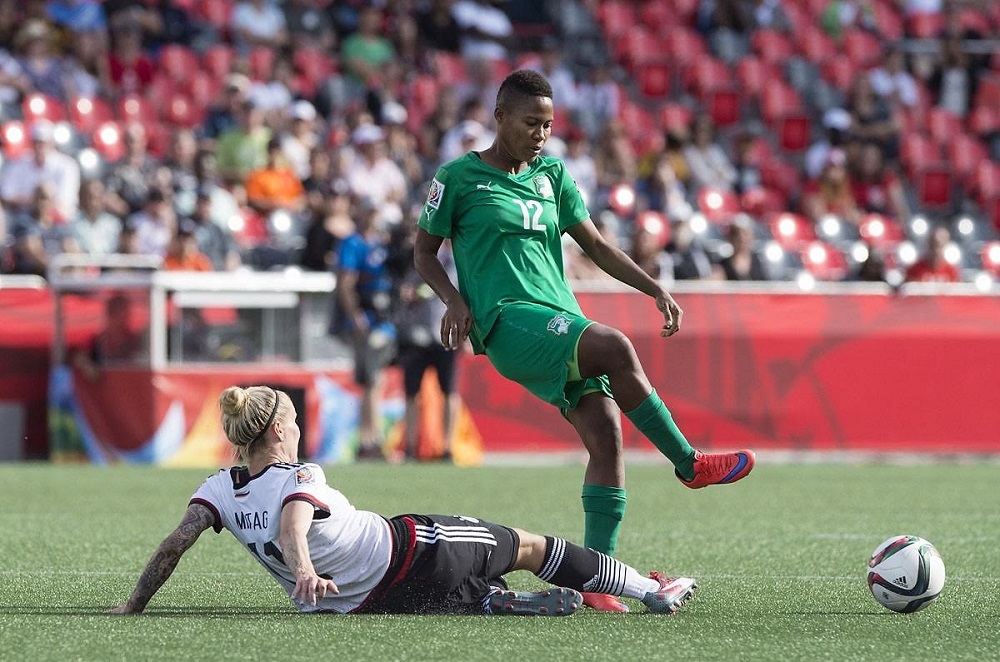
(531, 211)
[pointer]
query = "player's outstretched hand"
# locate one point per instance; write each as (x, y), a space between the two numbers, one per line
(309, 590)
(455, 325)
(672, 314)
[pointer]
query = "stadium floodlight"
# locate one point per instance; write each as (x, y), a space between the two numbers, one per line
(965, 226)
(787, 226)
(919, 226)
(806, 281)
(953, 254)
(907, 253)
(829, 226)
(859, 251)
(38, 106)
(817, 254)
(774, 253)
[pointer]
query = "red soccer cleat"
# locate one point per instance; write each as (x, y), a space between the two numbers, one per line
(674, 592)
(604, 602)
(719, 468)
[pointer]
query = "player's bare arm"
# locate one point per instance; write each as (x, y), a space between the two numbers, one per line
(457, 321)
(616, 263)
(196, 519)
(296, 517)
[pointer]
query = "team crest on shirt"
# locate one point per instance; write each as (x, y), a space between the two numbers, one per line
(304, 475)
(558, 325)
(435, 193)
(543, 187)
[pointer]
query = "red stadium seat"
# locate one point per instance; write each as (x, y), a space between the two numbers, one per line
(217, 13)
(986, 181)
(724, 105)
(778, 99)
(889, 20)
(880, 230)
(616, 17)
(984, 120)
(133, 108)
(424, 92)
(640, 46)
(762, 201)
(674, 116)
(823, 261)
(262, 63)
(639, 124)
(706, 74)
(934, 186)
(684, 46)
(988, 91)
(965, 153)
(816, 45)
(450, 68)
(792, 230)
(943, 125)
(794, 131)
(38, 106)
(654, 80)
(178, 62)
(861, 47)
(840, 72)
(781, 176)
(975, 20)
(753, 74)
(660, 15)
(218, 60)
(181, 111)
(718, 204)
(990, 256)
(14, 138)
(917, 150)
(772, 46)
(924, 25)
(87, 112)
(204, 89)
(162, 89)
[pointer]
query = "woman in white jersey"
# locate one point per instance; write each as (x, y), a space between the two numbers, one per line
(332, 557)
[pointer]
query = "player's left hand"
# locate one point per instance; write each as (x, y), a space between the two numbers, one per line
(312, 588)
(672, 314)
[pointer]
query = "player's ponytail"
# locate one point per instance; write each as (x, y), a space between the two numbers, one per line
(247, 415)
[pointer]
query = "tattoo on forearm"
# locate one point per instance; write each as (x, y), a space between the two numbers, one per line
(164, 560)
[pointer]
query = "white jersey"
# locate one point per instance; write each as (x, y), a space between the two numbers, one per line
(352, 547)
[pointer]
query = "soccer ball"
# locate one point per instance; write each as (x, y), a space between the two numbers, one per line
(905, 573)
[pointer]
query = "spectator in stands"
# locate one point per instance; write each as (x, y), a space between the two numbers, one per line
(132, 177)
(876, 188)
(953, 83)
(154, 225)
(43, 165)
(580, 164)
(401, 148)
(614, 159)
(275, 186)
(375, 177)
(933, 266)
(147, 16)
(485, 29)
(446, 114)
(891, 81)
(225, 116)
(130, 68)
(688, 258)
(471, 125)
(41, 66)
(549, 64)
(13, 81)
(224, 205)
(363, 293)
(38, 234)
(273, 95)
(258, 23)
(836, 124)
(331, 222)
(831, 194)
(10, 20)
(438, 27)
(243, 149)
(94, 228)
(872, 119)
(77, 15)
(743, 263)
(214, 241)
(180, 164)
(841, 15)
(87, 66)
(664, 192)
(365, 52)
(182, 252)
(309, 26)
(748, 175)
(118, 341)
(649, 238)
(872, 269)
(603, 101)
(707, 160)
(302, 139)
(733, 15)
(579, 266)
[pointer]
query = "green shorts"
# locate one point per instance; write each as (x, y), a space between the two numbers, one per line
(536, 347)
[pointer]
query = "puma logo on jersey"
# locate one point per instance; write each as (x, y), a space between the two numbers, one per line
(558, 325)
(488, 187)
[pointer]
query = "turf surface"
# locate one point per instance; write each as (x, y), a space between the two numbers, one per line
(780, 558)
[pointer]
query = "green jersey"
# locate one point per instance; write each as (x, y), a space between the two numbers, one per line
(506, 232)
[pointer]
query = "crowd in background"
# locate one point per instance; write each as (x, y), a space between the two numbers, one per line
(256, 134)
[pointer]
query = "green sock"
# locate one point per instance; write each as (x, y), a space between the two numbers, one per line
(654, 420)
(603, 510)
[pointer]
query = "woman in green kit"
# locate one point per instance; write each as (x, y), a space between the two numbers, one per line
(505, 210)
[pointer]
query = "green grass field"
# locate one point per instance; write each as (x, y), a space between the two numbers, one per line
(780, 558)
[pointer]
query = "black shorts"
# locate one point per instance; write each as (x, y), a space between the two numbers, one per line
(415, 361)
(372, 353)
(442, 565)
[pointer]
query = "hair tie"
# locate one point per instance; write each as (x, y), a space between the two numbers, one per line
(270, 419)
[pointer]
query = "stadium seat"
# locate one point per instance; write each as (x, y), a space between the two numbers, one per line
(718, 204)
(616, 17)
(753, 75)
(216, 13)
(724, 105)
(178, 62)
(975, 20)
(984, 120)
(761, 201)
(943, 125)
(965, 153)
(261, 62)
(924, 25)
(87, 112)
(794, 131)
(654, 80)
(823, 261)
(781, 176)
(684, 47)
(218, 60)
(133, 108)
(14, 137)
(778, 99)
(771, 45)
(182, 112)
(879, 230)
(988, 91)
(917, 150)
(861, 47)
(37, 106)
(792, 230)
(889, 20)
(840, 71)
(990, 257)
(660, 15)
(450, 68)
(986, 181)
(639, 124)
(816, 45)
(706, 74)
(162, 89)
(934, 186)
(674, 116)
(204, 89)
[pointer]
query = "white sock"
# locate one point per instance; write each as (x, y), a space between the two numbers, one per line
(637, 586)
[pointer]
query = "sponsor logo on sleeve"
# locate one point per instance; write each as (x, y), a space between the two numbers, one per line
(434, 194)
(304, 475)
